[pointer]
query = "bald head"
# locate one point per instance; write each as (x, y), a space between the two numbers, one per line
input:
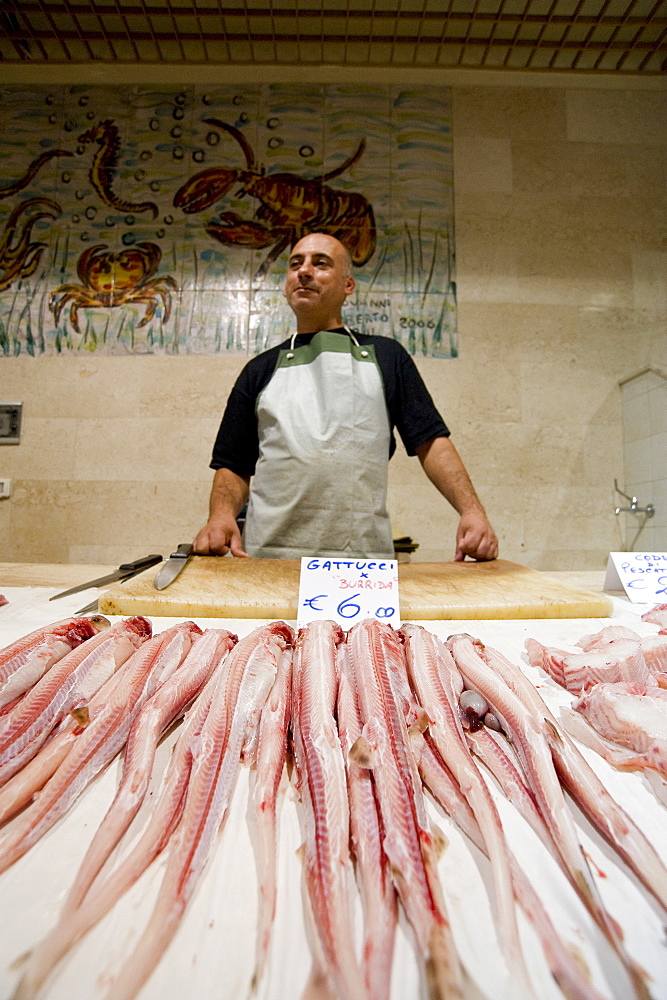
(319, 279)
(336, 248)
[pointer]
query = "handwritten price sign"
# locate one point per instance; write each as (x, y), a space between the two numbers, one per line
(348, 590)
(643, 575)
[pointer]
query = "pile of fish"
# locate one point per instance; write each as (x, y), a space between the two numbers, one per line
(621, 682)
(369, 725)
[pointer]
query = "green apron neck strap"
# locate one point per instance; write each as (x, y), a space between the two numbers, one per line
(346, 328)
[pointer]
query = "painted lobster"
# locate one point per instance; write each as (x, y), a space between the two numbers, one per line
(290, 206)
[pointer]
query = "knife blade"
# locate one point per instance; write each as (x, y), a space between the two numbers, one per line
(93, 606)
(173, 566)
(124, 572)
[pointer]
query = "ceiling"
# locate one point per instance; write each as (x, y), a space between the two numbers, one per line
(626, 37)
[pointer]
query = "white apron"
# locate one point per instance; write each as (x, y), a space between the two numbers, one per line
(320, 485)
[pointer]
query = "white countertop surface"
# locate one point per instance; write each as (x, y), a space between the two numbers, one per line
(212, 954)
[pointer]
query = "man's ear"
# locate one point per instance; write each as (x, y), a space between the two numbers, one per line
(350, 285)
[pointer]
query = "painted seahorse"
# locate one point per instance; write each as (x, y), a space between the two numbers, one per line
(9, 189)
(19, 255)
(103, 168)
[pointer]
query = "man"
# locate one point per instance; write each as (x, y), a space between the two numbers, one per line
(311, 424)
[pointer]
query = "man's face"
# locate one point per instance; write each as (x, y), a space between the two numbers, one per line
(318, 282)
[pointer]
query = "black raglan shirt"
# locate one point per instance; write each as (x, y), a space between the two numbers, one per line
(409, 405)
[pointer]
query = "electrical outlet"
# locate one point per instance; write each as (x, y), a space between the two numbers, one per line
(10, 422)
(5, 488)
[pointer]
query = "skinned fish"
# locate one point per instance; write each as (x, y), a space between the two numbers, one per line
(616, 660)
(581, 781)
(528, 733)
(99, 743)
(657, 616)
(378, 893)
(70, 683)
(85, 905)
(269, 763)
(194, 666)
(438, 685)
(163, 820)
(20, 788)
(408, 843)
(25, 661)
(654, 647)
(607, 635)
(566, 970)
(632, 715)
(236, 706)
(322, 785)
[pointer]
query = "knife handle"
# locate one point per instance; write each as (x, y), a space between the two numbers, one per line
(139, 564)
(183, 551)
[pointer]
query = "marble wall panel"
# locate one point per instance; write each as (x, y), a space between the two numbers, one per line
(649, 280)
(110, 387)
(47, 450)
(155, 449)
(569, 170)
(483, 164)
(616, 117)
(105, 522)
(516, 113)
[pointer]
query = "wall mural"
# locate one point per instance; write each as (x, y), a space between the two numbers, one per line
(156, 220)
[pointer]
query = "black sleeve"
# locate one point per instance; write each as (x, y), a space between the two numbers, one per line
(237, 443)
(411, 408)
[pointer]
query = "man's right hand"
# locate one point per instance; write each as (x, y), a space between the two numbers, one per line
(219, 536)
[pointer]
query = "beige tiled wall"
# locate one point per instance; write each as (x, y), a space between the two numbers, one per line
(562, 280)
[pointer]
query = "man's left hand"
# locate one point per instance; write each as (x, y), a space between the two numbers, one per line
(475, 537)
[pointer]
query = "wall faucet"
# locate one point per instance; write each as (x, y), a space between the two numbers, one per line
(634, 507)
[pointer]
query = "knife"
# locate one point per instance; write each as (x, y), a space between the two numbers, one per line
(124, 572)
(173, 566)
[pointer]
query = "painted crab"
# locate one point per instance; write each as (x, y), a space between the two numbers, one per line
(116, 279)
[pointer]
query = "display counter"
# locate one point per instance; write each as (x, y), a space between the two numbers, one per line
(213, 952)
